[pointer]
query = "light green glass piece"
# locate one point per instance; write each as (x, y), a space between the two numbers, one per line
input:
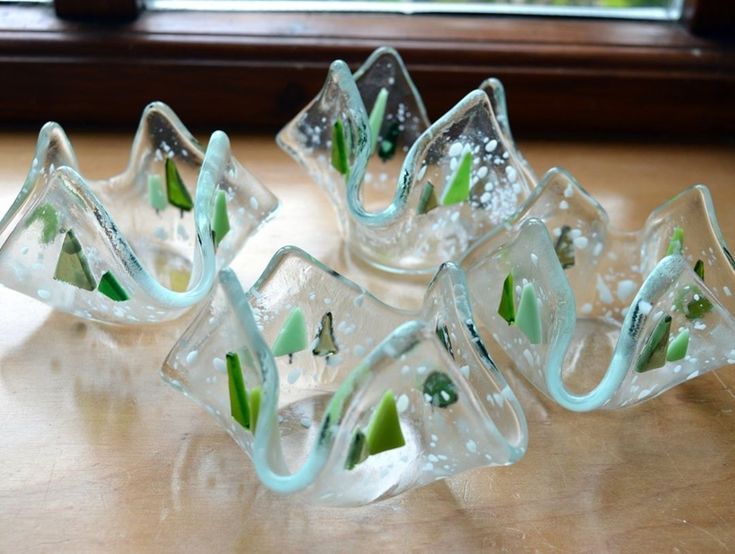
(384, 430)
(254, 402)
(678, 347)
(339, 148)
(49, 218)
(156, 195)
(175, 189)
(325, 343)
(507, 306)
(458, 190)
(112, 289)
(528, 317)
(653, 354)
(220, 219)
(377, 114)
(239, 407)
(293, 335)
(676, 244)
(428, 200)
(72, 266)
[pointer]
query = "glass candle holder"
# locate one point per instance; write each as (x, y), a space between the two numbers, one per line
(623, 316)
(409, 195)
(139, 247)
(339, 397)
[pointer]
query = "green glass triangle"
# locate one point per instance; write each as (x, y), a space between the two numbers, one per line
(564, 248)
(175, 189)
(458, 190)
(440, 389)
(428, 200)
(49, 218)
(325, 344)
(72, 266)
(156, 195)
(384, 430)
(339, 149)
(220, 219)
(676, 244)
(254, 397)
(678, 347)
(653, 353)
(387, 146)
(528, 318)
(377, 114)
(293, 335)
(699, 269)
(238, 395)
(358, 451)
(112, 289)
(691, 301)
(507, 306)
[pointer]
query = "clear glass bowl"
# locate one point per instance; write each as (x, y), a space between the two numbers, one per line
(339, 397)
(409, 195)
(631, 315)
(139, 247)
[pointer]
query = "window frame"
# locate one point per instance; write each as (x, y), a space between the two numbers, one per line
(254, 71)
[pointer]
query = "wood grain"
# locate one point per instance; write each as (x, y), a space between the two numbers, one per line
(97, 454)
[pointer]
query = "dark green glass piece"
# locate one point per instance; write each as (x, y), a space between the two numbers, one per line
(564, 248)
(325, 343)
(699, 269)
(72, 266)
(440, 390)
(676, 244)
(428, 200)
(692, 302)
(358, 451)
(387, 146)
(112, 289)
(175, 189)
(653, 354)
(238, 395)
(507, 307)
(443, 333)
(49, 218)
(339, 149)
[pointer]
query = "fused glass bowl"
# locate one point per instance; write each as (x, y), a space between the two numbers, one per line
(139, 247)
(624, 316)
(339, 397)
(409, 195)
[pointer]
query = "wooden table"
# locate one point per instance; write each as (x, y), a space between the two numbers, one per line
(98, 454)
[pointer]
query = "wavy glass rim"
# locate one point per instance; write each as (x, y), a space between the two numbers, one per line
(213, 164)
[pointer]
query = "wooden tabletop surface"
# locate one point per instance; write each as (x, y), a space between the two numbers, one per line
(98, 454)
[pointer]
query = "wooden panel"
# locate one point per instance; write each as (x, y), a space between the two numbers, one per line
(98, 455)
(255, 71)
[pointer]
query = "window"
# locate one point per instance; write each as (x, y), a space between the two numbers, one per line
(669, 10)
(253, 70)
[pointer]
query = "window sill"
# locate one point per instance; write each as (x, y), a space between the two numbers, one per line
(251, 70)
